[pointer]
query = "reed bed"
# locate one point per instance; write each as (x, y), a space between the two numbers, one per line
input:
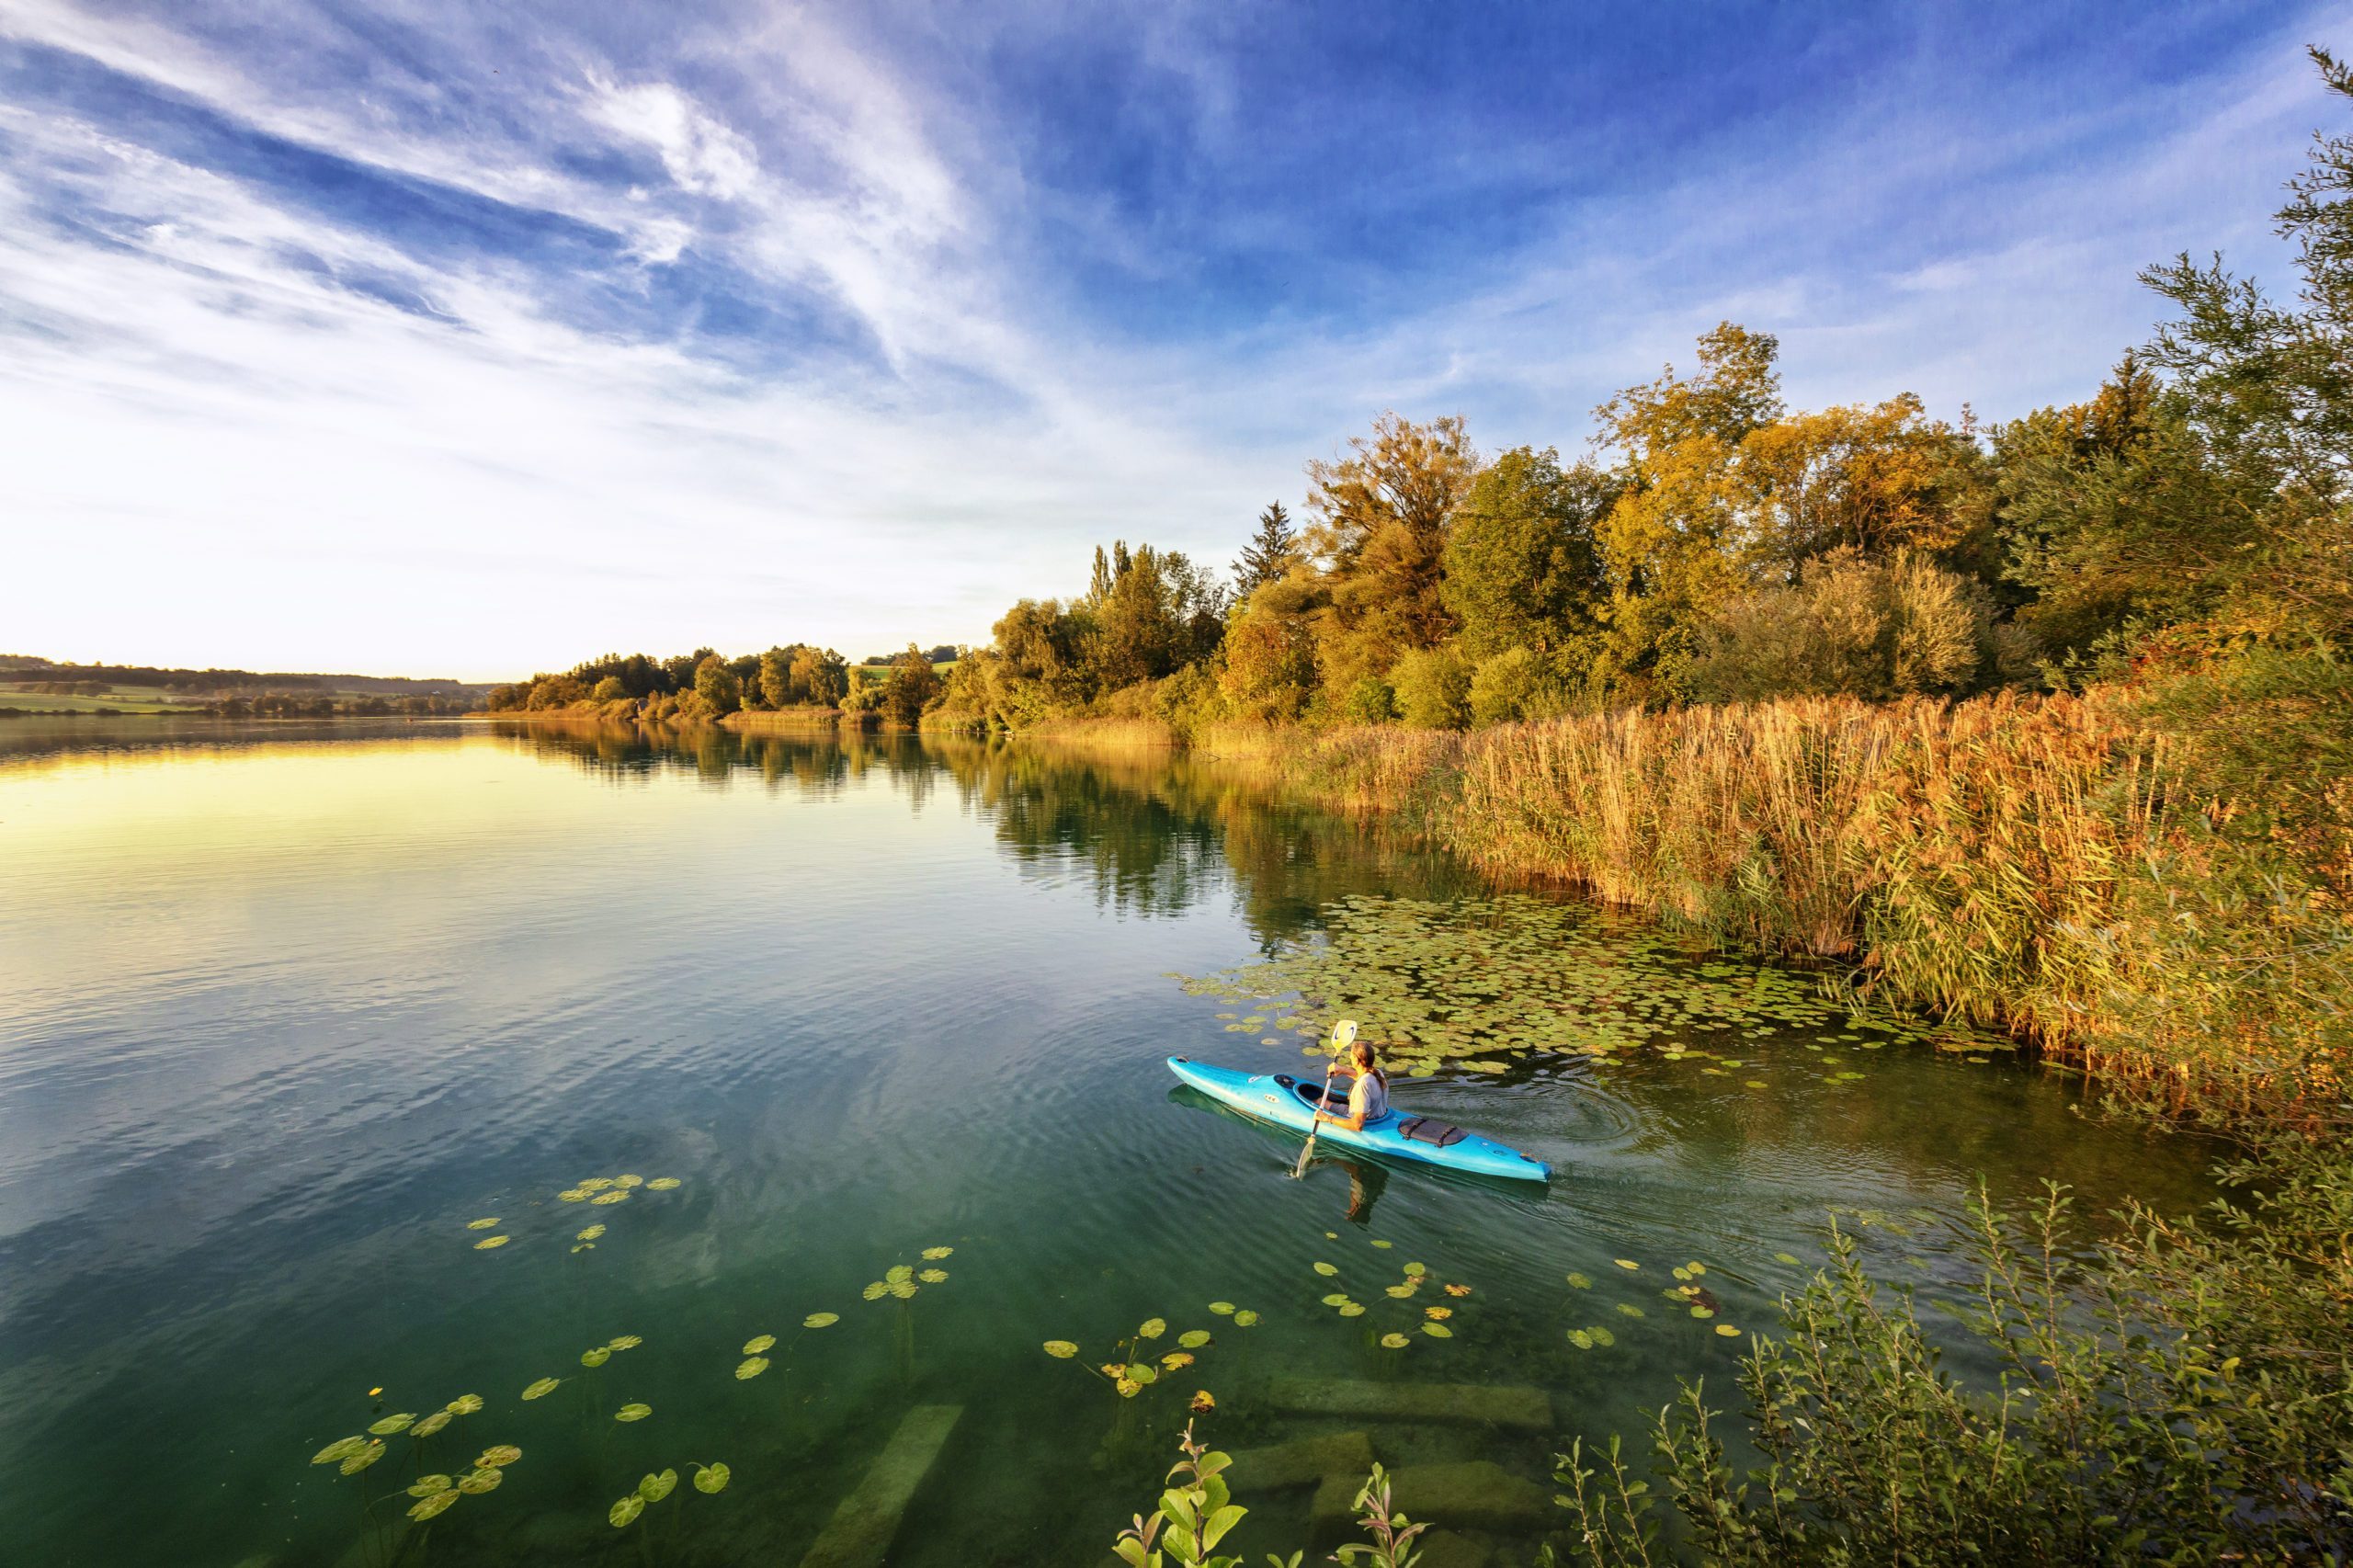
(2038, 864)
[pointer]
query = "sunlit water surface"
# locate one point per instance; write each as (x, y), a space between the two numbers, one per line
(283, 1009)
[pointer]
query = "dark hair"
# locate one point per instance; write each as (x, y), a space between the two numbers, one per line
(1364, 1054)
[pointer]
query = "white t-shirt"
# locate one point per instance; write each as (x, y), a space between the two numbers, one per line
(1368, 1099)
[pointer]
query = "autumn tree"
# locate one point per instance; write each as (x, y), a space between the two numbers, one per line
(718, 685)
(1379, 540)
(1671, 543)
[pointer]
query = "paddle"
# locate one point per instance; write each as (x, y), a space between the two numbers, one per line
(1344, 1035)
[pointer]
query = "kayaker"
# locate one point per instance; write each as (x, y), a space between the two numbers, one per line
(1368, 1091)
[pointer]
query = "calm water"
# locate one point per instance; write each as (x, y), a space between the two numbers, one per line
(283, 1010)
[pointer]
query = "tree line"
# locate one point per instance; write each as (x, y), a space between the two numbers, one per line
(705, 686)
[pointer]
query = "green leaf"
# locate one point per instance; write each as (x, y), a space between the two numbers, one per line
(1394, 1341)
(1152, 1328)
(1327, 1269)
(487, 1243)
(464, 1405)
(758, 1343)
(820, 1320)
(433, 1505)
(490, 1223)
(497, 1456)
(712, 1478)
(595, 1358)
(1631, 1310)
(1580, 1281)
(1438, 1331)
(1416, 1270)
(484, 1479)
(625, 1512)
(936, 1253)
(657, 1487)
(341, 1448)
(662, 1184)
(623, 1342)
(431, 1423)
(1193, 1338)
(1223, 1308)
(542, 1388)
(632, 1412)
(1061, 1349)
(1244, 1318)
(392, 1423)
(427, 1486)
(751, 1367)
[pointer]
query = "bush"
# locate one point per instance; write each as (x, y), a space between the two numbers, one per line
(2185, 1398)
(1433, 687)
(1512, 685)
(1371, 701)
(610, 690)
(1851, 626)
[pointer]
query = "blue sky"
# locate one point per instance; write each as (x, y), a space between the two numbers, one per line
(453, 339)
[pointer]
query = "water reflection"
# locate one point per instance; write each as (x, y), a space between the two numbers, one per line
(1151, 832)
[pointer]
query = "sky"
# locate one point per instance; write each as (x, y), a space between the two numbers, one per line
(437, 337)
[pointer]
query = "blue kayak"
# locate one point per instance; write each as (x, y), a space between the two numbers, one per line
(1398, 1133)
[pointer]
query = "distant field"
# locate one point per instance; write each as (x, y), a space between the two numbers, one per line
(126, 699)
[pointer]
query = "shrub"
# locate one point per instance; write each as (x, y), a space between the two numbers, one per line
(1371, 700)
(1433, 687)
(1851, 626)
(1512, 685)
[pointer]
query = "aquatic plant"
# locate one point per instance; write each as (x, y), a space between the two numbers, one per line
(433, 1493)
(1197, 1511)
(1134, 1369)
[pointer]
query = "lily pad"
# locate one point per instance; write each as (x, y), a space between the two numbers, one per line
(542, 1388)
(574, 1195)
(936, 1253)
(487, 1243)
(1602, 1336)
(1384, 1246)
(595, 1358)
(432, 1423)
(1061, 1349)
(1337, 1299)
(498, 1456)
(341, 1448)
(1438, 1331)
(820, 1320)
(1580, 1281)
(1631, 1310)
(1193, 1338)
(1352, 1310)
(933, 1276)
(489, 1224)
(615, 1195)
(1141, 1372)
(712, 1478)
(1728, 1330)
(751, 1367)
(898, 1274)
(1152, 1328)
(623, 1342)
(486, 1478)
(635, 1412)
(1785, 1258)
(1581, 1339)
(596, 1184)
(877, 1290)
(1417, 1270)
(589, 1234)
(1223, 1308)
(628, 1181)
(464, 1405)
(663, 1184)
(392, 1423)
(1626, 1263)
(903, 1288)
(433, 1505)
(624, 1513)
(1327, 1269)
(1244, 1318)
(427, 1486)
(658, 1485)
(757, 1342)
(1395, 1342)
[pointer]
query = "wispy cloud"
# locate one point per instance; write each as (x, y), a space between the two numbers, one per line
(432, 337)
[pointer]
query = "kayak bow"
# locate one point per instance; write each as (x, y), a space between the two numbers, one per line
(1398, 1133)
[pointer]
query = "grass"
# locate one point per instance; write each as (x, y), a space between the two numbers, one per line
(125, 700)
(2046, 866)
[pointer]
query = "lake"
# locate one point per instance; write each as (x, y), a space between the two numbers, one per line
(321, 1046)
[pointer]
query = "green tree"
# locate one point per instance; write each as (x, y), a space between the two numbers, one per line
(912, 685)
(821, 675)
(1272, 551)
(777, 685)
(720, 688)
(610, 689)
(1522, 568)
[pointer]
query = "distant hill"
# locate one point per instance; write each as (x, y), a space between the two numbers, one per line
(24, 669)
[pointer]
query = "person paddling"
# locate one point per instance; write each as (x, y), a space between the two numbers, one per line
(1368, 1091)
